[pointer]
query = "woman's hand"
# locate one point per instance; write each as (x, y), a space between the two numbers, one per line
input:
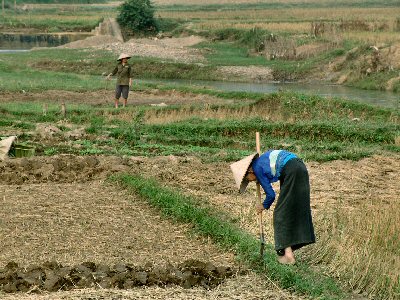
(259, 208)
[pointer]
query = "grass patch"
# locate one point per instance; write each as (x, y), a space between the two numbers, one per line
(231, 54)
(78, 71)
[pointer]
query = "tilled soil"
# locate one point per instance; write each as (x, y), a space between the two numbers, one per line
(348, 182)
(60, 210)
(78, 222)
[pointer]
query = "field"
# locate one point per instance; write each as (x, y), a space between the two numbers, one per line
(139, 202)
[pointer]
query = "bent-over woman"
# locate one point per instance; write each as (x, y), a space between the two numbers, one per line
(292, 221)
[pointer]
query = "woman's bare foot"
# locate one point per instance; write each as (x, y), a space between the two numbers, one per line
(288, 258)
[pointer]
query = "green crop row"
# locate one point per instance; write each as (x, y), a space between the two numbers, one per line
(211, 131)
(215, 225)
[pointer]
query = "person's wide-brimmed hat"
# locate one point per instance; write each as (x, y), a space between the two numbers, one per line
(123, 55)
(239, 170)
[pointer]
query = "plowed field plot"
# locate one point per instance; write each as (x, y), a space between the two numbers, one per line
(87, 236)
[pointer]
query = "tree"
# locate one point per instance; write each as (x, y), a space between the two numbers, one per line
(138, 16)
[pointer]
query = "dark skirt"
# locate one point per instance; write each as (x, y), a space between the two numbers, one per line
(293, 225)
(121, 89)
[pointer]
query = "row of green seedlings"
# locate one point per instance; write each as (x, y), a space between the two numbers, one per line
(215, 224)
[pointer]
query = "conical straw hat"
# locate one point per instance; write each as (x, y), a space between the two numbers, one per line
(123, 55)
(239, 170)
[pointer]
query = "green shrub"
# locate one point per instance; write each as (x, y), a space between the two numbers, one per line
(137, 16)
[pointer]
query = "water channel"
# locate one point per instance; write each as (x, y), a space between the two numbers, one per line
(378, 98)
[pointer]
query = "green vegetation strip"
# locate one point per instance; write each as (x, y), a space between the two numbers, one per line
(215, 224)
(317, 129)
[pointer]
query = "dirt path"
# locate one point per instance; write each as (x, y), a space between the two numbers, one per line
(106, 97)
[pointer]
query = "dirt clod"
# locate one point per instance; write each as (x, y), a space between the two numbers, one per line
(53, 277)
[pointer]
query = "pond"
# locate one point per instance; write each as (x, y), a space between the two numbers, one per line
(380, 98)
(13, 42)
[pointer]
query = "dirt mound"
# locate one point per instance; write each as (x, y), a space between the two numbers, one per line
(52, 276)
(254, 73)
(392, 54)
(93, 41)
(169, 48)
(63, 168)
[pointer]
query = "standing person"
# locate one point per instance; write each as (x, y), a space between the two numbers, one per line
(124, 78)
(293, 227)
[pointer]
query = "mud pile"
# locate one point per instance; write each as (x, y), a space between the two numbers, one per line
(52, 276)
(63, 168)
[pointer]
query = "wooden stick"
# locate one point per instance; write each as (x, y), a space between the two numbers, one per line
(45, 109)
(63, 109)
(260, 217)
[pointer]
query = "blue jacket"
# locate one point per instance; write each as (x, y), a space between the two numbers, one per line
(268, 168)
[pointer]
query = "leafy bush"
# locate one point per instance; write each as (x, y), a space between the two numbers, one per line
(167, 25)
(137, 16)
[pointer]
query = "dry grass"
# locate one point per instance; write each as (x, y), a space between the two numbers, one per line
(208, 2)
(294, 15)
(359, 224)
(59, 18)
(364, 238)
(355, 208)
(300, 27)
(270, 113)
(379, 24)
(373, 38)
